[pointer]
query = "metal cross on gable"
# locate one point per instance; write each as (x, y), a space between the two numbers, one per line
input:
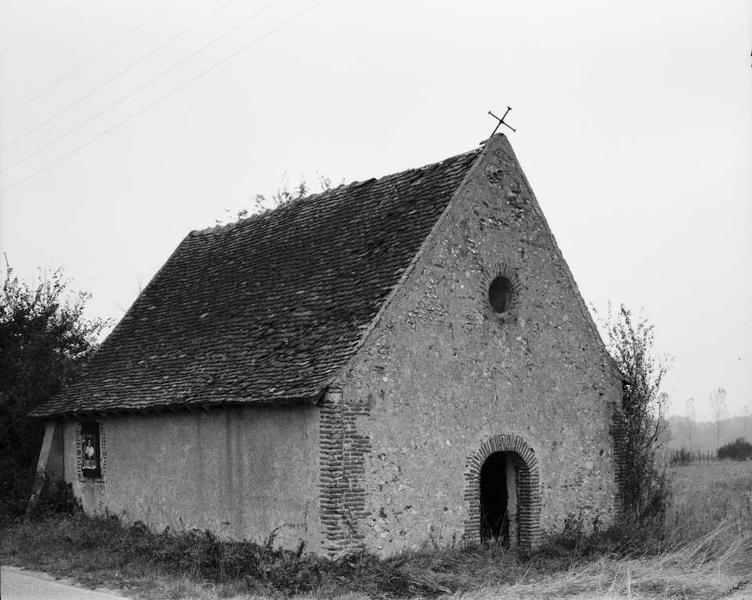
(501, 121)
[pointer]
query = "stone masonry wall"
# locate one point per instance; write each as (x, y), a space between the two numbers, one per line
(441, 376)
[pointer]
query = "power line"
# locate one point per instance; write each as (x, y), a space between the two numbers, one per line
(118, 74)
(91, 58)
(164, 97)
(122, 99)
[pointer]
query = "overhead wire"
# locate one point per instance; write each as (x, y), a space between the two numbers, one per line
(120, 73)
(163, 97)
(143, 86)
(90, 59)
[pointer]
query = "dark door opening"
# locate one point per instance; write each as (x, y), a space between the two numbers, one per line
(494, 497)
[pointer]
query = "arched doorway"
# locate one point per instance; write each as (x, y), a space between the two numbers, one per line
(503, 493)
(498, 498)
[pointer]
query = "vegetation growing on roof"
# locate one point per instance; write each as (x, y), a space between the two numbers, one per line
(284, 195)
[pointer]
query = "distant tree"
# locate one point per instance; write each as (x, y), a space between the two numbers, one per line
(644, 483)
(691, 416)
(740, 449)
(718, 405)
(44, 340)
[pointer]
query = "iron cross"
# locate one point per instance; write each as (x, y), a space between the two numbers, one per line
(501, 121)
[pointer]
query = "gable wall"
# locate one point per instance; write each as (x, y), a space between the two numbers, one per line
(441, 374)
(242, 473)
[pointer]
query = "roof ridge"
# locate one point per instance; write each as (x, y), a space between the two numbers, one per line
(342, 188)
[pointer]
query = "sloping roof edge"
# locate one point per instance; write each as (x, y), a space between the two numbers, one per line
(39, 412)
(494, 141)
(277, 402)
(311, 394)
(427, 241)
(592, 327)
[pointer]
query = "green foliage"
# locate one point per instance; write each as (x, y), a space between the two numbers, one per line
(740, 449)
(283, 196)
(642, 420)
(81, 545)
(56, 498)
(682, 457)
(44, 340)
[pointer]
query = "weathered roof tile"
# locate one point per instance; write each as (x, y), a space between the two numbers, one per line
(268, 308)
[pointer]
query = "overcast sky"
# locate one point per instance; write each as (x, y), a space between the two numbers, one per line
(124, 124)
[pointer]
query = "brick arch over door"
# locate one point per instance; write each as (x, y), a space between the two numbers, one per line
(528, 488)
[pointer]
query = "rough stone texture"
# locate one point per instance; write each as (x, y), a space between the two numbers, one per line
(244, 473)
(441, 374)
(423, 379)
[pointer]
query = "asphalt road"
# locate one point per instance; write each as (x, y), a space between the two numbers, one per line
(16, 584)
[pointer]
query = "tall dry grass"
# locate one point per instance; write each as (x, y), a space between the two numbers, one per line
(702, 549)
(704, 496)
(719, 565)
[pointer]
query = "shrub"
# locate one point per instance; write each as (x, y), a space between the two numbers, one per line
(56, 498)
(640, 422)
(681, 457)
(740, 449)
(44, 340)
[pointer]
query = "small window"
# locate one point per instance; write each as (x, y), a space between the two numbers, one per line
(91, 464)
(500, 294)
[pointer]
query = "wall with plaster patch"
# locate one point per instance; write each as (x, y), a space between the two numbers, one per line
(243, 473)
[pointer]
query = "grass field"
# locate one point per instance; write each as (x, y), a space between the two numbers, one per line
(704, 550)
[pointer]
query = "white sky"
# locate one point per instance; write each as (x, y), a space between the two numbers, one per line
(634, 128)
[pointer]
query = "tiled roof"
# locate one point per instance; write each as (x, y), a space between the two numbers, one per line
(269, 308)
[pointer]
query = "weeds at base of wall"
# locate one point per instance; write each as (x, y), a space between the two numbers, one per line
(702, 550)
(56, 498)
(101, 551)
